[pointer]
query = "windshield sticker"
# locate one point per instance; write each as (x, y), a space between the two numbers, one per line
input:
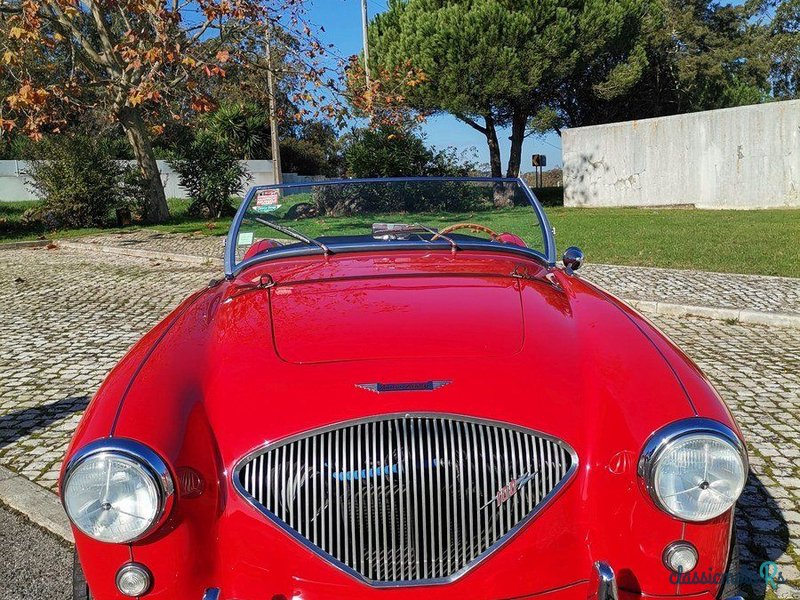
(245, 239)
(267, 201)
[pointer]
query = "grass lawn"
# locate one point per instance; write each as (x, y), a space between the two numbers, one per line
(756, 241)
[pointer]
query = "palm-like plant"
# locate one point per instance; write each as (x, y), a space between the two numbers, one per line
(243, 128)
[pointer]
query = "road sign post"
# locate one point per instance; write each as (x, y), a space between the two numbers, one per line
(538, 161)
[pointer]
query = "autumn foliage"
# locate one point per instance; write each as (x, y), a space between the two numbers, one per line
(140, 63)
(384, 95)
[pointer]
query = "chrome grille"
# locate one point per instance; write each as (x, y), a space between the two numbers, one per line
(406, 499)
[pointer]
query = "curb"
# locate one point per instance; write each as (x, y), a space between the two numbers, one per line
(181, 258)
(25, 244)
(589, 265)
(42, 507)
(741, 316)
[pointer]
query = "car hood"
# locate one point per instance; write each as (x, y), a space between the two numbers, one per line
(298, 348)
(388, 318)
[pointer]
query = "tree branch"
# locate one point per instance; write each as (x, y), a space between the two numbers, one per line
(57, 16)
(472, 123)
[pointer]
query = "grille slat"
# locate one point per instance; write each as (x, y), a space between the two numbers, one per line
(406, 499)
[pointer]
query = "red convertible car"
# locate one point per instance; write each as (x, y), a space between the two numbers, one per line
(434, 411)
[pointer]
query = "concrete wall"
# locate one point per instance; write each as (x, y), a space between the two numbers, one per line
(747, 157)
(13, 181)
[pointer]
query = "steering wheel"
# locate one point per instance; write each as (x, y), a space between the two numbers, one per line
(470, 226)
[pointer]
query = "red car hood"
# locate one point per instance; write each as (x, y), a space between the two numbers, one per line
(273, 355)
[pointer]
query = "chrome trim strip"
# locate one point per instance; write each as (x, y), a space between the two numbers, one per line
(603, 583)
(549, 255)
(147, 458)
(412, 419)
(662, 438)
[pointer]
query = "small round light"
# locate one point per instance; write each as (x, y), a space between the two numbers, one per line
(134, 580)
(680, 557)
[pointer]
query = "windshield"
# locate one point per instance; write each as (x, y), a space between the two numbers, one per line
(330, 217)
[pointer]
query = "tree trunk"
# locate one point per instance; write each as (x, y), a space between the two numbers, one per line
(491, 139)
(155, 209)
(518, 122)
(502, 195)
(495, 161)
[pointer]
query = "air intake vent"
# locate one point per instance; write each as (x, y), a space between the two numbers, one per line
(406, 500)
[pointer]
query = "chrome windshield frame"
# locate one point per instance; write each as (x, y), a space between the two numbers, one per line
(232, 268)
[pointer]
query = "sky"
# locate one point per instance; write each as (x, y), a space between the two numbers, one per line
(342, 22)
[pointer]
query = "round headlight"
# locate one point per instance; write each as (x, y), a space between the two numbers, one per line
(695, 470)
(116, 491)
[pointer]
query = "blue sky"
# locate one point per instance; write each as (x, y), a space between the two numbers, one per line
(342, 22)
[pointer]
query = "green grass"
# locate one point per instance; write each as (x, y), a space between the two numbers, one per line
(755, 241)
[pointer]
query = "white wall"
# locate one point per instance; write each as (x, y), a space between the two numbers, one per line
(13, 181)
(746, 157)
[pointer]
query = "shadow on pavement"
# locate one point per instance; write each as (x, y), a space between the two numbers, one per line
(763, 537)
(22, 423)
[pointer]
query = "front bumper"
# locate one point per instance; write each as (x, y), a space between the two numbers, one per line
(602, 585)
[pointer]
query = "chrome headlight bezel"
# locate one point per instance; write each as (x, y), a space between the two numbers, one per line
(148, 460)
(665, 437)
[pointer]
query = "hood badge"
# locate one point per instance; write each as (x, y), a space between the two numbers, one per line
(508, 491)
(417, 386)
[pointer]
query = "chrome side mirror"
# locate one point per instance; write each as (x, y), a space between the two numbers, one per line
(573, 259)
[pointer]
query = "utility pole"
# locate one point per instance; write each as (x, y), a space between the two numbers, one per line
(277, 172)
(364, 27)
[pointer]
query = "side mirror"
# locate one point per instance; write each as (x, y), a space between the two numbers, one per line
(573, 259)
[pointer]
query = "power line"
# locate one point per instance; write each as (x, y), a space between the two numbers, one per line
(549, 144)
(381, 5)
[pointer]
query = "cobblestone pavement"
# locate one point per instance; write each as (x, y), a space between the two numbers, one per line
(194, 244)
(68, 316)
(756, 369)
(698, 288)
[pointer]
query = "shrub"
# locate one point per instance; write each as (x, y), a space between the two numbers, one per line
(308, 158)
(409, 197)
(77, 181)
(393, 152)
(547, 196)
(550, 179)
(134, 189)
(211, 175)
